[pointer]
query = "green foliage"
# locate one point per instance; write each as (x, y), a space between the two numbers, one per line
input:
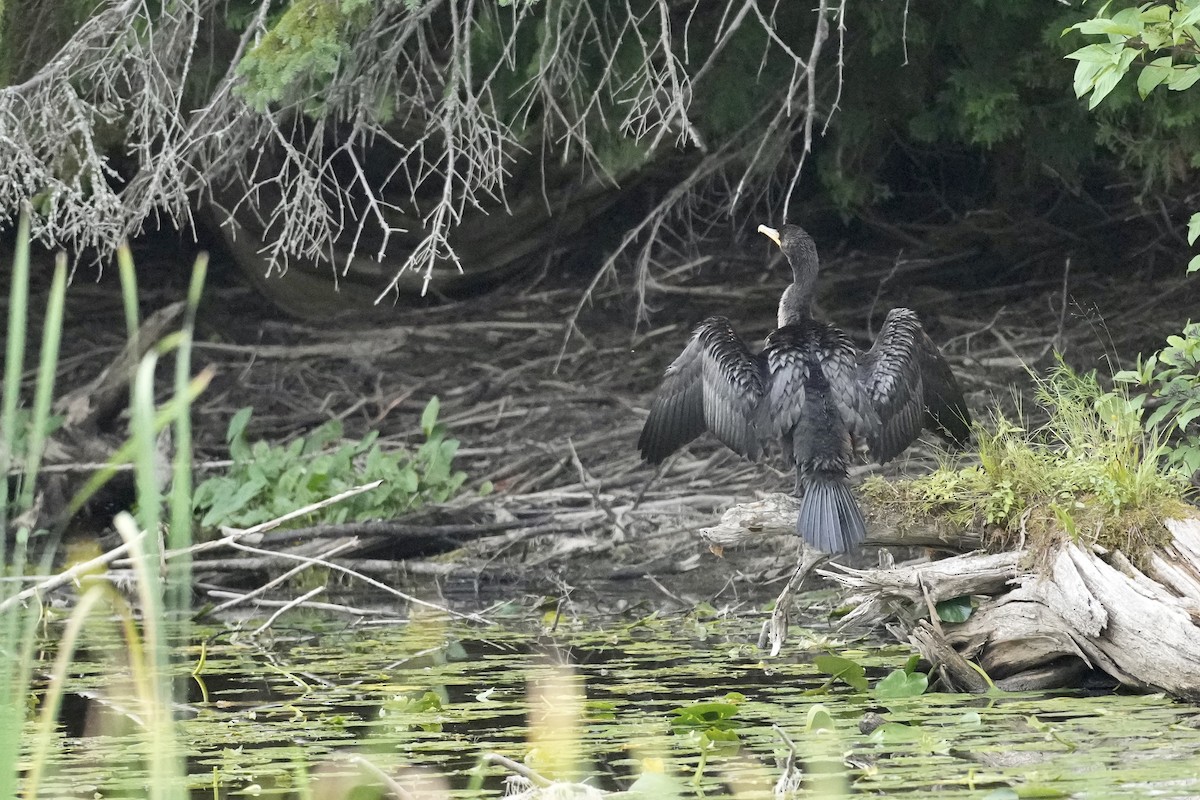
(1164, 40)
(414, 711)
(1135, 34)
(956, 609)
(1171, 380)
(900, 684)
(1158, 138)
(143, 652)
(267, 481)
(818, 719)
(1089, 473)
(300, 53)
(925, 85)
(709, 727)
(848, 672)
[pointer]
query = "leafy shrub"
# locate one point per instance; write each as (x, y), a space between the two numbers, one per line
(1160, 40)
(267, 481)
(1172, 379)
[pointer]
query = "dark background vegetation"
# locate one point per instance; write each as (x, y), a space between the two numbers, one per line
(934, 129)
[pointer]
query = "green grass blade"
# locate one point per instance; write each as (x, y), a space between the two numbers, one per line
(146, 474)
(147, 560)
(128, 294)
(14, 679)
(179, 536)
(47, 370)
(14, 364)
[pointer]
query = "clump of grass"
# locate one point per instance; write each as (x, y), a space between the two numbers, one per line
(26, 549)
(1089, 474)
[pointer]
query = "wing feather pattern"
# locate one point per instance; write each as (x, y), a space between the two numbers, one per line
(716, 385)
(911, 387)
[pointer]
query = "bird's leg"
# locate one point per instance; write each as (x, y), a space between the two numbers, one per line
(775, 629)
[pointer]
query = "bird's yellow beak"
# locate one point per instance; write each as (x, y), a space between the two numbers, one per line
(770, 233)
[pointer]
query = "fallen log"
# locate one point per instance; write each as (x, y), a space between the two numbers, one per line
(1038, 623)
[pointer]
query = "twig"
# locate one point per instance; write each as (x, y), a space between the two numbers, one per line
(335, 607)
(72, 575)
(516, 766)
(338, 548)
(290, 604)
(310, 561)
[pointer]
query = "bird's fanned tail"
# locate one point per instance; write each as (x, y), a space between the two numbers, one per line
(830, 519)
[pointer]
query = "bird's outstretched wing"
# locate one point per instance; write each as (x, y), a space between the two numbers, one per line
(714, 385)
(911, 387)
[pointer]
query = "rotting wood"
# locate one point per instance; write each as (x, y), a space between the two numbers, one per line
(775, 514)
(1084, 610)
(94, 405)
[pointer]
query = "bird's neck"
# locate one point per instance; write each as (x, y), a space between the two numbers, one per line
(796, 303)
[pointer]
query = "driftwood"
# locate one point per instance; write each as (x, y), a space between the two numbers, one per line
(1084, 610)
(776, 514)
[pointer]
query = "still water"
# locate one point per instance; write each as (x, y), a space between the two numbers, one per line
(278, 714)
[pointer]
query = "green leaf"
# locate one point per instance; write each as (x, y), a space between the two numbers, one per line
(1152, 75)
(849, 672)
(237, 425)
(895, 733)
(1183, 78)
(818, 719)
(429, 415)
(1185, 417)
(900, 684)
(408, 481)
(1186, 16)
(1106, 81)
(703, 716)
(1193, 228)
(722, 740)
(956, 609)
(1085, 76)
(1100, 26)
(1097, 53)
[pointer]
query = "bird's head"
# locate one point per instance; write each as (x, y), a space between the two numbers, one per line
(796, 244)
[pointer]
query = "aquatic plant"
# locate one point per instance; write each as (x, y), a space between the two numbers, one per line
(709, 728)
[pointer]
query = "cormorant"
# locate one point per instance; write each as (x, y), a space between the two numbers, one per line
(813, 391)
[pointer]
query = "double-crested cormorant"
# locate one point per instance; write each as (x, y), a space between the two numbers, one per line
(814, 392)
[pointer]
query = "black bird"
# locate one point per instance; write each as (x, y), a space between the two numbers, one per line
(814, 392)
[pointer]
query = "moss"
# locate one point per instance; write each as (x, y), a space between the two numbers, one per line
(1089, 475)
